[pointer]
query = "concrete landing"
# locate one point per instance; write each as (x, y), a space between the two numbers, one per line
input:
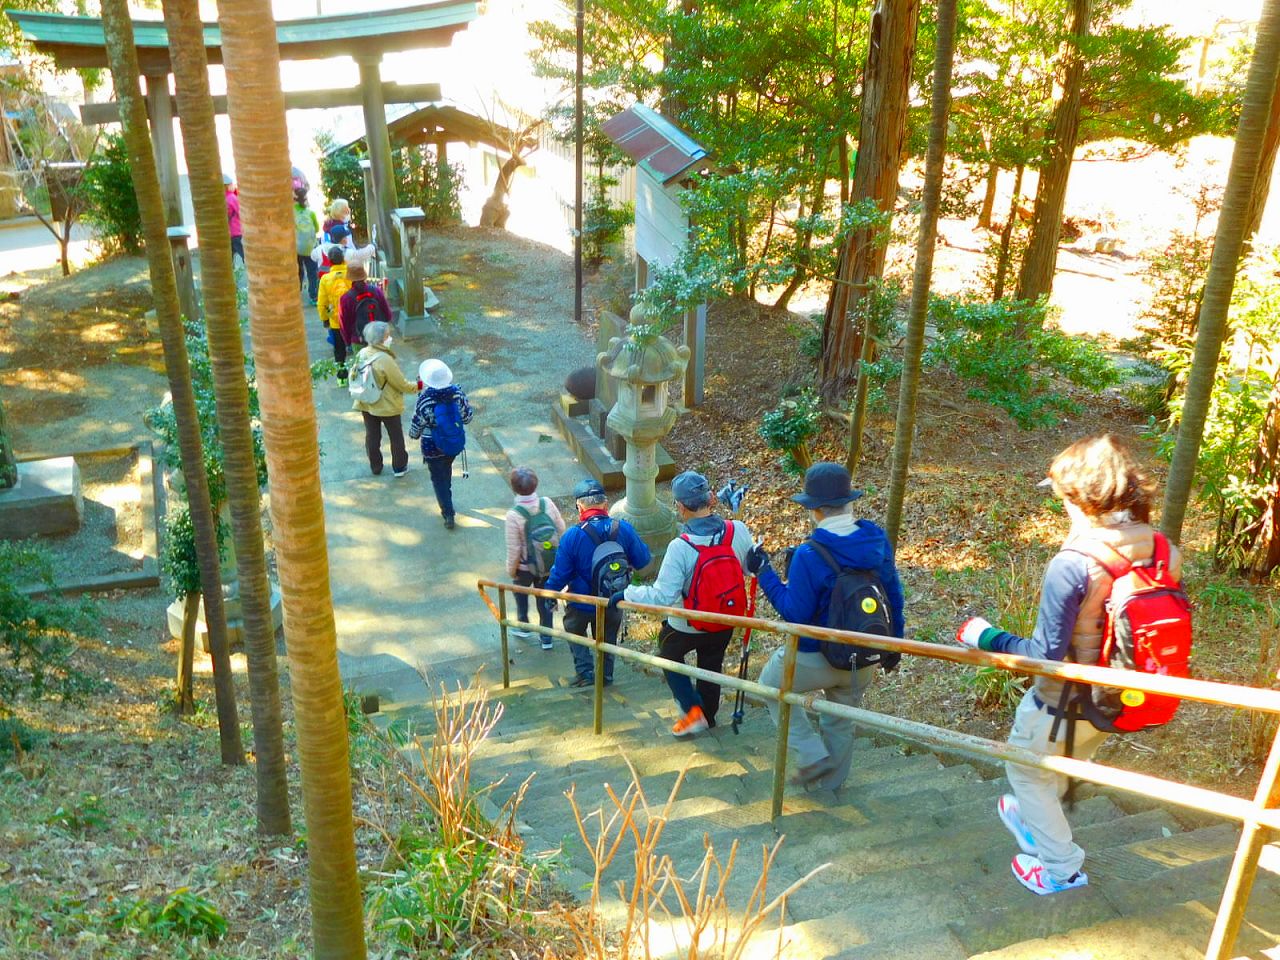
(46, 501)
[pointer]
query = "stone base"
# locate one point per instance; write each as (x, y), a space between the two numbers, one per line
(235, 620)
(572, 406)
(415, 326)
(596, 458)
(46, 502)
(598, 418)
(656, 526)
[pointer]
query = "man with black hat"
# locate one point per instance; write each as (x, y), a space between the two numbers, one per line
(688, 559)
(823, 759)
(573, 568)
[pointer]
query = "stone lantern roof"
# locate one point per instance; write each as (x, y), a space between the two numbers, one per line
(652, 362)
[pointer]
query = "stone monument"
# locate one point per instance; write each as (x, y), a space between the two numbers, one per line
(642, 416)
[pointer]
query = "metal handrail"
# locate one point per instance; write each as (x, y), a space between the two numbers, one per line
(1260, 816)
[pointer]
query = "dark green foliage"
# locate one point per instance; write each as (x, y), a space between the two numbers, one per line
(790, 426)
(111, 206)
(183, 915)
(603, 221)
(1014, 360)
(178, 561)
(163, 423)
(38, 635)
(425, 182)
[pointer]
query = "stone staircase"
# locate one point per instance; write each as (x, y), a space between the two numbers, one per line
(919, 862)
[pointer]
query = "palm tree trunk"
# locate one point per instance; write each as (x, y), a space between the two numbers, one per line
(123, 59)
(1036, 277)
(1220, 279)
(918, 311)
(258, 136)
(885, 101)
(226, 354)
(1266, 166)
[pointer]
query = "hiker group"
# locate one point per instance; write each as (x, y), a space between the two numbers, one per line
(1111, 596)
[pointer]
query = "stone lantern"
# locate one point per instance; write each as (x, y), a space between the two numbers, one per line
(642, 368)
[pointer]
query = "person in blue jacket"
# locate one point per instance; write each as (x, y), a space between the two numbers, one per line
(572, 569)
(823, 756)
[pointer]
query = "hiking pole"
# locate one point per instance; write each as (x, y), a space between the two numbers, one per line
(466, 472)
(740, 700)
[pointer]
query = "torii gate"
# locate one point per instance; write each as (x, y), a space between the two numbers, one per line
(74, 42)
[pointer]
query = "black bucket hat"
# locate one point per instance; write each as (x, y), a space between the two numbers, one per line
(826, 485)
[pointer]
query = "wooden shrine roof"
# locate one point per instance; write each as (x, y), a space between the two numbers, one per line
(78, 41)
(653, 142)
(431, 123)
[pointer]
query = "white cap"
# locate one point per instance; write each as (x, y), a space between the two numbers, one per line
(435, 373)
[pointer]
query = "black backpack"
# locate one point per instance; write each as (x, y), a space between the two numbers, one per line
(367, 310)
(858, 603)
(610, 569)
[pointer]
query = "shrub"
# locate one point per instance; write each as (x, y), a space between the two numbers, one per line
(431, 185)
(790, 426)
(603, 221)
(178, 559)
(183, 915)
(38, 634)
(340, 176)
(1014, 359)
(111, 206)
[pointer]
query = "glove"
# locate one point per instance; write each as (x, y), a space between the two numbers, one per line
(419, 384)
(757, 559)
(971, 632)
(615, 599)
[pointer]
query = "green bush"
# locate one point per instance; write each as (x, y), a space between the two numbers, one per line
(790, 426)
(340, 176)
(425, 182)
(1014, 360)
(38, 634)
(111, 207)
(178, 561)
(183, 915)
(603, 222)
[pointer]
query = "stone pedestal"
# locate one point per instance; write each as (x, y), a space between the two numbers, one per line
(642, 417)
(235, 617)
(45, 502)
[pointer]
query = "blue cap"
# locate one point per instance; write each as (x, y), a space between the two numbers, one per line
(339, 232)
(585, 489)
(691, 489)
(826, 485)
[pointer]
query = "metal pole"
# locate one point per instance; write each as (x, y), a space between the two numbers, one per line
(502, 629)
(578, 18)
(599, 655)
(784, 725)
(1254, 836)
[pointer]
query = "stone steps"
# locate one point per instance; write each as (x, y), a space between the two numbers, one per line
(917, 860)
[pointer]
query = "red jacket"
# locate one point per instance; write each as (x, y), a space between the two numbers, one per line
(347, 309)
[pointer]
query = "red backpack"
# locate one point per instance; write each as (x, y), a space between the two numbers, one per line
(717, 584)
(1148, 630)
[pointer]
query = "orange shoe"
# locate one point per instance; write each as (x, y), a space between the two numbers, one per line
(692, 722)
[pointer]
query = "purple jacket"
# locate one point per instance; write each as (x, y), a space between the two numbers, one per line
(347, 309)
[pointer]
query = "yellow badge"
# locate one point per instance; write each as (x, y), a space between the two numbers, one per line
(869, 605)
(1133, 698)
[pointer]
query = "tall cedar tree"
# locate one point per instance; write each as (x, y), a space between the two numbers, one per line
(123, 59)
(255, 103)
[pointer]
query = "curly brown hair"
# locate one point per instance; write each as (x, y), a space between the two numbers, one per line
(1100, 475)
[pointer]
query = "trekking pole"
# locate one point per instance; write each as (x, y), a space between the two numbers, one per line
(466, 472)
(740, 700)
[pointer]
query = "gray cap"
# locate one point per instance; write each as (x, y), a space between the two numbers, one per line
(691, 490)
(588, 488)
(826, 485)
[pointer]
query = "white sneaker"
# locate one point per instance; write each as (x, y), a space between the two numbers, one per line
(548, 643)
(1031, 873)
(399, 473)
(522, 633)
(1007, 807)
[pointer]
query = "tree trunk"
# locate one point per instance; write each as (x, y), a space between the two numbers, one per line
(1220, 279)
(922, 276)
(989, 197)
(1036, 277)
(1266, 167)
(858, 412)
(123, 58)
(8, 463)
(1006, 235)
(885, 101)
(495, 211)
(256, 108)
(185, 699)
(1261, 532)
(226, 354)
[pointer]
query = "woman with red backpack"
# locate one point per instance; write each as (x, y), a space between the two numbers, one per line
(364, 303)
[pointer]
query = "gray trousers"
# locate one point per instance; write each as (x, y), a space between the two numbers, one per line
(834, 736)
(1039, 792)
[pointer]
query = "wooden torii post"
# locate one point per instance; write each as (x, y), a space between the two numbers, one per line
(78, 42)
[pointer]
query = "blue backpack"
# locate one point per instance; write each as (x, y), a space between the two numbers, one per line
(447, 432)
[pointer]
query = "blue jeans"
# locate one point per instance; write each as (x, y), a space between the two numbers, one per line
(583, 621)
(441, 470)
(546, 608)
(675, 645)
(307, 272)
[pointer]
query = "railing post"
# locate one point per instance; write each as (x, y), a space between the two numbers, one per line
(599, 655)
(502, 630)
(784, 725)
(1253, 837)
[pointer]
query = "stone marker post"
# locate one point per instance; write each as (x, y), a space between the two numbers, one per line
(642, 416)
